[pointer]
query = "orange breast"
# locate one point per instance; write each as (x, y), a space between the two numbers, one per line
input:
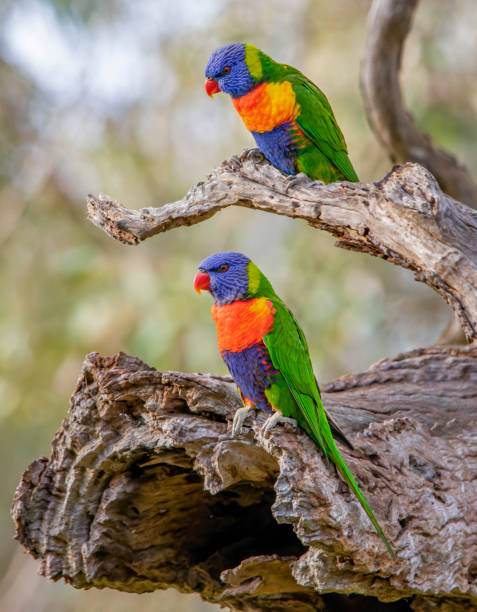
(242, 323)
(268, 106)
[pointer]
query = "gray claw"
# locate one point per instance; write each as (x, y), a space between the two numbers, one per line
(239, 417)
(275, 419)
(252, 154)
(296, 181)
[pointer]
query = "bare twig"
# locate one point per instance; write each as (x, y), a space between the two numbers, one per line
(389, 22)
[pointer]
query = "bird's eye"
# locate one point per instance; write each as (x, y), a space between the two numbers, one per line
(223, 267)
(226, 70)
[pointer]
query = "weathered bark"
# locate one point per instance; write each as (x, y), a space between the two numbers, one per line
(405, 218)
(389, 23)
(146, 489)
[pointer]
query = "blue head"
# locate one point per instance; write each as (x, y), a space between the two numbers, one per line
(227, 71)
(225, 275)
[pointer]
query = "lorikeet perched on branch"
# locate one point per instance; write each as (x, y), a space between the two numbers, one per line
(289, 117)
(267, 355)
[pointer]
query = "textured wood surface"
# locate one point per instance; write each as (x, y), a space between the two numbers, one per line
(146, 489)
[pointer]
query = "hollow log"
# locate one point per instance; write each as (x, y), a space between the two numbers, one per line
(146, 489)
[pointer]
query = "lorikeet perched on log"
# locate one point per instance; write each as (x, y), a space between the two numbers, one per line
(267, 354)
(289, 117)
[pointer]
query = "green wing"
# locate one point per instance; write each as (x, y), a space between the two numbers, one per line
(289, 353)
(318, 122)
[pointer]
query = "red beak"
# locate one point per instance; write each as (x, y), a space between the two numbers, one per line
(211, 87)
(201, 281)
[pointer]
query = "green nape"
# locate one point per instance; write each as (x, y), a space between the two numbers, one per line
(261, 66)
(258, 283)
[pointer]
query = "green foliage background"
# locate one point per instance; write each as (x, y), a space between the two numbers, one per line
(108, 96)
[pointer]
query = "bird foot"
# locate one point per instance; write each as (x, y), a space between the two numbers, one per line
(252, 154)
(297, 180)
(239, 417)
(275, 419)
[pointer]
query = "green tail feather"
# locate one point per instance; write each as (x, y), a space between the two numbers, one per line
(320, 433)
(332, 451)
(326, 441)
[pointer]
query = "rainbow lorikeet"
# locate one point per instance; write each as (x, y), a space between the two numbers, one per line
(289, 117)
(266, 352)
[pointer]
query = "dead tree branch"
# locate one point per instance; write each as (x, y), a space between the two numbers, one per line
(405, 218)
(146, 489)
(389, 23)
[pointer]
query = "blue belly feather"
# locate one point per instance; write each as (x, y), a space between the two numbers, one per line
(279, 147)
(253, 372)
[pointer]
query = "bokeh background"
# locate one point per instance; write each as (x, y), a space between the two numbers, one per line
(108, 97)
